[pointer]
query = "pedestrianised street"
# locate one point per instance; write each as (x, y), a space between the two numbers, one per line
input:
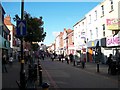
(62, 75)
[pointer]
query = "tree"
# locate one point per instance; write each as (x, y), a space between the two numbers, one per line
(35, 46)
(35, 30)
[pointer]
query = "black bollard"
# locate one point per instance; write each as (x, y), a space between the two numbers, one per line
(35, 72)
(38, 61)
(40, 75)
(62, 60)
(29, 71)
(97, 67)
(74, 63)
(45, 86)
(22, 80)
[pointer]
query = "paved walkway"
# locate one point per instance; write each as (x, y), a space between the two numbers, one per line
(9, 79)
(91, 67)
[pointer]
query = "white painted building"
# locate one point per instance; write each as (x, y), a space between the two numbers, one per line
(80, 38)
(77, 43)
(14, 42)
(57, 45)
(65, 47)
(98, 27)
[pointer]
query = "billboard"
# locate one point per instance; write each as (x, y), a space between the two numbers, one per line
(113, 41)
(113, 23)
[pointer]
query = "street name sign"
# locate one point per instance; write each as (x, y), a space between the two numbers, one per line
(21, 28)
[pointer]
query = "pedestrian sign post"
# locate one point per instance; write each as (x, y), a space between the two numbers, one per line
(21, 28)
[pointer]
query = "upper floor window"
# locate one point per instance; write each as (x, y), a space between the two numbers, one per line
(83, 33)
(91, 34)
(96, 32)
(95, 15)
(111, 4)
(2, 18)
(72, 38)
(5, 35)
(103, 26)
(89, 19)
(102, 10)
(83, 24)
(103, 29)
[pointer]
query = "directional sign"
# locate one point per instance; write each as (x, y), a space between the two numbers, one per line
(21, 28)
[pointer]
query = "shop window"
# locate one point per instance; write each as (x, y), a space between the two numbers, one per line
(5, 44)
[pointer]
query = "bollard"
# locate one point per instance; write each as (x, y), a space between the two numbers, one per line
(62, 60)
(35, 72)
(97, 67)
(74, 63)
(45, 86)
(40, 75)
(22, 80)
(29, 71)
(38, 61)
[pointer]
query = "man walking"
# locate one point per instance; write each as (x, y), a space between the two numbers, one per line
(4, 61)
(109, 62)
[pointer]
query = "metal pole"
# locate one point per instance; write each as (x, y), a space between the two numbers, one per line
(22, 12)
(22, 71)
(22, 9)
(97, 66)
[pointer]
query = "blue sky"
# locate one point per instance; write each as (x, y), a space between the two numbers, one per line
(56, 15)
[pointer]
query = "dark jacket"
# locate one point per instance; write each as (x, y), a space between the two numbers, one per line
(109, 61)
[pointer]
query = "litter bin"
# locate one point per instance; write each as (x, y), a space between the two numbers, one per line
(45, 86)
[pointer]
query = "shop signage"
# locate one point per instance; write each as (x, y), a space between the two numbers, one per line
(113, 41)
(113, 23)
(93, 44)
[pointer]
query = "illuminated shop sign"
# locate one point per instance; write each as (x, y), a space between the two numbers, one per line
(113, 41)
(113, 23)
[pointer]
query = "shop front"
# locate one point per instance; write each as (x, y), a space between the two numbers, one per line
(113, 42)
(93, 47)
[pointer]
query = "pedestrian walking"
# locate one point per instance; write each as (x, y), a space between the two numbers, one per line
(10, 60)
(59, 57)
(71, 57)
(52, 57)
(83, 62)
(109, 62)
(67, 59)
(4, 62)
(62, 57)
